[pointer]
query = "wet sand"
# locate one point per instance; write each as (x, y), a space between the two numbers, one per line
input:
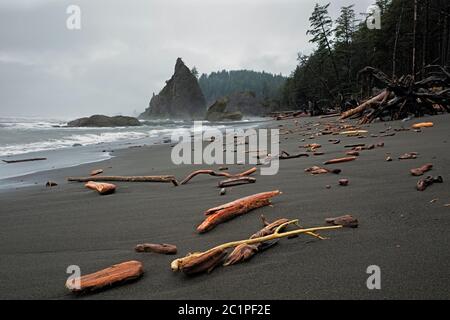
(43, 230)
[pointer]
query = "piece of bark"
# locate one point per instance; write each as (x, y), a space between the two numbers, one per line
(217, 174)
(420, 171)
(346, 221)
(233, 209)
(24, 160)
(423, 125)
(236, 182)
(156, 248)
(355, 145)
(353, 153)
(116, 274)
(101, 188)
(164, 179)
(287, 156)
(408, 156)
(340, 160)
(96, 172)
(241, 253)
(423, 184)
(335, 141)
(50, 184)
(245, 252)
(343, 182)
(201, 262)
(319, 170)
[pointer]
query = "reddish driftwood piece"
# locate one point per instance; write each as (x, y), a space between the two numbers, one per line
(201, 262)
(347, 221)
(116, 274)
(236, 182)
(162, 248)
(353, 153)
(164, 179)
(319, 170)
(423, 184)
(101, 188)
(96, 172)
(343, 182)
(409, 155)
(340, 160)
(420, 171)
(217, 174)
(236, 208)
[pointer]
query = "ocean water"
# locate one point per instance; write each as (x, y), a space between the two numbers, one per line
(64, 147)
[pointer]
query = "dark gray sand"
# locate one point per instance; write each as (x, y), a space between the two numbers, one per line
(43, 231)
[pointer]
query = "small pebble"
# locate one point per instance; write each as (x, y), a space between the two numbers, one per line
(223, 191)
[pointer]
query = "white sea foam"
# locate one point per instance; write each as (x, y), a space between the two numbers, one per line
(69, 141)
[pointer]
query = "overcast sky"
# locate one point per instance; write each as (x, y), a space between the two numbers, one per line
(126, 49)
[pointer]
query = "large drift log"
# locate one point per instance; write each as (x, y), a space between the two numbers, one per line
(118, 273)
(217, 174)
(377, 99)
(236, 208)
(126, 179)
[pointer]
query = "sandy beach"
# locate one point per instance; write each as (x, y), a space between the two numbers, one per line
(44, 230)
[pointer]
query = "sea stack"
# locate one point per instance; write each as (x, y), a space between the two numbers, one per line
(181, 98)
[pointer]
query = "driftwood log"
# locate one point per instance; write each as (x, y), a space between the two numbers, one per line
(420, 171)
(96, 172)
(340, 160)
(24, 160)
(164, 179)
(347, 221)
(234, 209)
(116, 274)
(162, 248)
(319, 170)
(286, 156)
(375, 100)
(236, 182)
(217, 174)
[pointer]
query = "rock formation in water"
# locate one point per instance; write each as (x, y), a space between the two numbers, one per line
(105, 121)
(181, 98)
(219, 112)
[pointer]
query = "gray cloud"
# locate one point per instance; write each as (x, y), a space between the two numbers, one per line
(127, 49)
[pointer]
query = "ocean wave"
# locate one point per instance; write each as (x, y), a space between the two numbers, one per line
(70, 141)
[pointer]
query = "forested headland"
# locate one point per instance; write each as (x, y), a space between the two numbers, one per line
(414, 35)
